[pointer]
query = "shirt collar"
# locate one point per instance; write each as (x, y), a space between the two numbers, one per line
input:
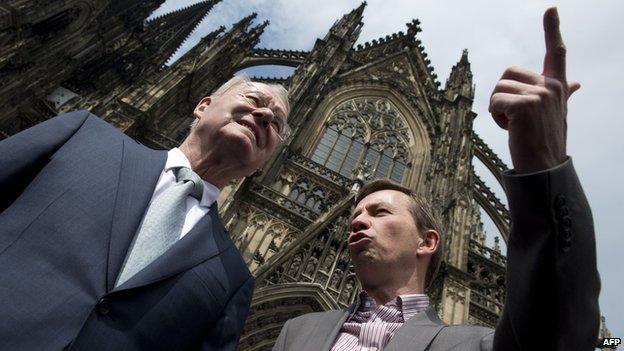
(177, 159)
(408, 304)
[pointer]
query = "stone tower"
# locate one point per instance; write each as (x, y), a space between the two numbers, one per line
(359, 112)
(364, 112)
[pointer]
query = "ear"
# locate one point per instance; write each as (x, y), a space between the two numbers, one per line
(429, 243)
(203, 103)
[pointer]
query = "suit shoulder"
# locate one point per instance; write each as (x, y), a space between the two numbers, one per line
(314, 317)
(98, 125)
(82, 119)
(467, 331)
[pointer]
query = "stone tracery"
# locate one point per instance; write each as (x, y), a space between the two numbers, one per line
(365, 129)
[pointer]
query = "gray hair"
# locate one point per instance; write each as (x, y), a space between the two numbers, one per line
(243, 79)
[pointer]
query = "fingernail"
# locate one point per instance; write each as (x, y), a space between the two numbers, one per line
(556, 15)
(552, 17)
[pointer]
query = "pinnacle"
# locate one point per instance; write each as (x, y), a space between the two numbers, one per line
(246, 21)
(166, 33)
(357, 12)
(464, 57)
(212, 35)
(192, 10)
(349, 26)
(256, 32)
(360, 9)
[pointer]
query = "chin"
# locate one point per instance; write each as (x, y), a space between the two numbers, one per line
(363, 258)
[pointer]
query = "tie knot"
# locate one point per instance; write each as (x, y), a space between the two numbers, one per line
(184, 175)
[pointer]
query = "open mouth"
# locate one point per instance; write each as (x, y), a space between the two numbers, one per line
(252, 129)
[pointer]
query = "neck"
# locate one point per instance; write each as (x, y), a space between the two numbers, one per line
(385, 294)
(385, 284)
(209, 165)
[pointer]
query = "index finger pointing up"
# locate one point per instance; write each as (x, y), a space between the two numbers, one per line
(555, 59)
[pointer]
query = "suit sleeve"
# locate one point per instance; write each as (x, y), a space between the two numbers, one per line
(226, 331)
(24, 154)
(552, 278)
(280, 344)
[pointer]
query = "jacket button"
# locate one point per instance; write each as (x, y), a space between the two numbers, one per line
(103, 307)
(566, 234)
(566, 222)
(560, 200)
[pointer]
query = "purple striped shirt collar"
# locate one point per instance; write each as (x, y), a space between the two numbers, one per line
(408, 304)
(370, 327)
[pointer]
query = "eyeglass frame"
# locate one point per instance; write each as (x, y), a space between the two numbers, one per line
(261, 101)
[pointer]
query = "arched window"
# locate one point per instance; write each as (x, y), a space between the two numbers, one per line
(367, 130)
(340, 149)
(387, 156)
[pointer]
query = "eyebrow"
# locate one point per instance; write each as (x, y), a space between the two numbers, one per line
(374, 205)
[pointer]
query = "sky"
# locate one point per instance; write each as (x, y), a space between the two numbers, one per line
(497, 34)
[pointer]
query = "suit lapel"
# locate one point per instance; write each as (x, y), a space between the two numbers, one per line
(327, 329)
(201, 243)
(140, 170)
(418, 332)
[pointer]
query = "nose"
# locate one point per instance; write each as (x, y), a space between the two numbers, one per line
(359, 223)
(265, 115)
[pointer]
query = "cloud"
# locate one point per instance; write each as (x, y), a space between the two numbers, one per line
(497, 35)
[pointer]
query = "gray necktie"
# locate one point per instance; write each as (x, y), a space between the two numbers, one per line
(162, 224)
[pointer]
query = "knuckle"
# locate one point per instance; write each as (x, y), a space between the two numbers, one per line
(554, 85)
(560, 50)
(533, 101)
(511, 71)
(500, 85)
(543, 92)
(527, 103)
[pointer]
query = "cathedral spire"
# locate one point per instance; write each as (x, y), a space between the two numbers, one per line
(349, 25)
(244, 23)
(255, 33)
(460, 79)
(165, 34)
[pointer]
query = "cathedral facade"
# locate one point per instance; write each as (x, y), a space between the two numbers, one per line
(359, 112)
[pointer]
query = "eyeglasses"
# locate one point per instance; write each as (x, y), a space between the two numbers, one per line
(278, 123)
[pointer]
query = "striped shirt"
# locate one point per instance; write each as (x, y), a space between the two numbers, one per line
(370, 327)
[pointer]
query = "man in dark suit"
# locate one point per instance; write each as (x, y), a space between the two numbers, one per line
(106, 244)
(552, 280)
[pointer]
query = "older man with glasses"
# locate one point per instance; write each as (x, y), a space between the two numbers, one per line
(106, 244)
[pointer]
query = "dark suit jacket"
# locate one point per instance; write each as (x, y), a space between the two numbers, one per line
(73, 191)
(552, 282)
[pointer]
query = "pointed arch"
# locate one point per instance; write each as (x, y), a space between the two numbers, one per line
(272, 306)
(369, 123)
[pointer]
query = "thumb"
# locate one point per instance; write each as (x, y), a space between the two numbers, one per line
(572, 87)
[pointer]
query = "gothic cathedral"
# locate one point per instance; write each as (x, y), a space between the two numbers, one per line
(358, 113)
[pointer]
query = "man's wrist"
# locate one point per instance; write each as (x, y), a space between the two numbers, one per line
(537, 170)
(535, 165)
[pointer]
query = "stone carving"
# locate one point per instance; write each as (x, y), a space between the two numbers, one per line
(329, 259)
(294, 267)
(311, 266)
(367, 130)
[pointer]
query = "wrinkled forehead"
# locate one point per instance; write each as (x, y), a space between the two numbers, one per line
(272, 93)
(388, 197)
